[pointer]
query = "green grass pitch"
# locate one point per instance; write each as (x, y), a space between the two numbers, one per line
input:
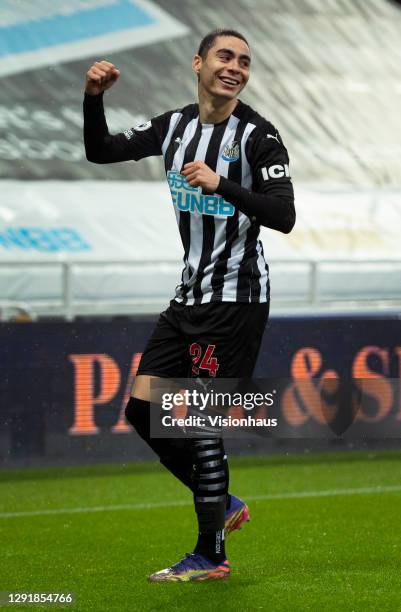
(325, 534)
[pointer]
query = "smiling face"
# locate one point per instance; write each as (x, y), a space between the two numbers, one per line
(224, 71)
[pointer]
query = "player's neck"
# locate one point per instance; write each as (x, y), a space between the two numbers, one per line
(214, 110)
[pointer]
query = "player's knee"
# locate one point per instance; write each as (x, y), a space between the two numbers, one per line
(137, 413)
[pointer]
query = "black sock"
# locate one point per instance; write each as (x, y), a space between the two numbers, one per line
(211, 546)
(210, 496)
(175, 454)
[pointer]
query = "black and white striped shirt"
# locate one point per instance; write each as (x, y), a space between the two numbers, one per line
(223, 257)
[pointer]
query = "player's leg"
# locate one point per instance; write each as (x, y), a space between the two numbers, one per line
(174, 453)
(178, 455)
(210, 476)
(231, 339)
(208, 471)
(165, 356)
(210, 497)
(141, 388)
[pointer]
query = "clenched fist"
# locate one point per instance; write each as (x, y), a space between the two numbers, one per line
(100, 76)
(198, 174)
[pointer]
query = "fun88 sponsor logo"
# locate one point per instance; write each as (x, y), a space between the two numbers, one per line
(191, 199)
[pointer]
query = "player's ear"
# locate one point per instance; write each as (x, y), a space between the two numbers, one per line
(196, 64)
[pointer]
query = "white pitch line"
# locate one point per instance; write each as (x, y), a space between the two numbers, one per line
(181, 502)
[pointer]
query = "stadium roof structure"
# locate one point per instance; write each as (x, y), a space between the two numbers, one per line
(326, 73)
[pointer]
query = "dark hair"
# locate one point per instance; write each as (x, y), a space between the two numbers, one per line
(208, 41)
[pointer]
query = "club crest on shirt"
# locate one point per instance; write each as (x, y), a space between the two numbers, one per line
(231, 152)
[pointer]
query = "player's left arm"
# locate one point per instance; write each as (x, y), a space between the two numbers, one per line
(271, 201)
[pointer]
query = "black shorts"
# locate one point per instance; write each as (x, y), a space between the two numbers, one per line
(216, 339)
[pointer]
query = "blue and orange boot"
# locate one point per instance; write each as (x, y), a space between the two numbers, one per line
(236, 515)
(193, 567)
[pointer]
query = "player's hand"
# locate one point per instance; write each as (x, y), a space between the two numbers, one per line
(198, 174)
(100, 76)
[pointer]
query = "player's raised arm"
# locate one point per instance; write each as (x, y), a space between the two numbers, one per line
(101, 147)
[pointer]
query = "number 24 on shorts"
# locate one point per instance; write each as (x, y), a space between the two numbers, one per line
(207, 362)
